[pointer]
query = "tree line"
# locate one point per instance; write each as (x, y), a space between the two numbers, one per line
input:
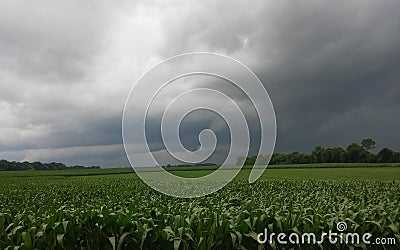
(12, 165)
(354, 153)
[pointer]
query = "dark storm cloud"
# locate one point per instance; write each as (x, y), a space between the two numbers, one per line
(331, 69)
(320, 61)
(338, 62)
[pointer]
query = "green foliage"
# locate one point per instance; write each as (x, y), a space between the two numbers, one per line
(368, 144)
(14, 166)
(386, 155)
(120, 212)
(354, 153)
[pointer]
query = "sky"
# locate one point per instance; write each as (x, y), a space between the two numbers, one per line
(331, 69)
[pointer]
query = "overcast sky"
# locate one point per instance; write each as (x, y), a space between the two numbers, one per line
(66, 67)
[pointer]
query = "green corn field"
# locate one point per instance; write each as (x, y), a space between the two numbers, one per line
(118, 211)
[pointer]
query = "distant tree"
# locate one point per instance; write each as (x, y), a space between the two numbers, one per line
(368, 144)
(14, 166)
(355, 153)
(56, 166)
(26, 166)
(385, 155)
(343, 157)
(318, 154)
(294, 158)
(298, 158)
(251, 161)
(3, 165)
(278, 158)
(336, 154)
(396, 157)
(372, 158)
(327, 155)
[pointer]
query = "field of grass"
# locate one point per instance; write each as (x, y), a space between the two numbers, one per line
(295, 166)
(369, 173)
(113, 209)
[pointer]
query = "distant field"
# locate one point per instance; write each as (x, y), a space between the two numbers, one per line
(314, 165)
(323, 170)
(383, 174)
(114, 209)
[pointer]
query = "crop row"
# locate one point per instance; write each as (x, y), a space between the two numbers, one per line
(122, 213)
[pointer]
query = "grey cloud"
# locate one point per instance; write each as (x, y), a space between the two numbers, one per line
(320, 61)
(331, 68)
(53, 42)
(106, 155)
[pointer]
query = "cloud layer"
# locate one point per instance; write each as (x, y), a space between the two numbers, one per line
(331, 69)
